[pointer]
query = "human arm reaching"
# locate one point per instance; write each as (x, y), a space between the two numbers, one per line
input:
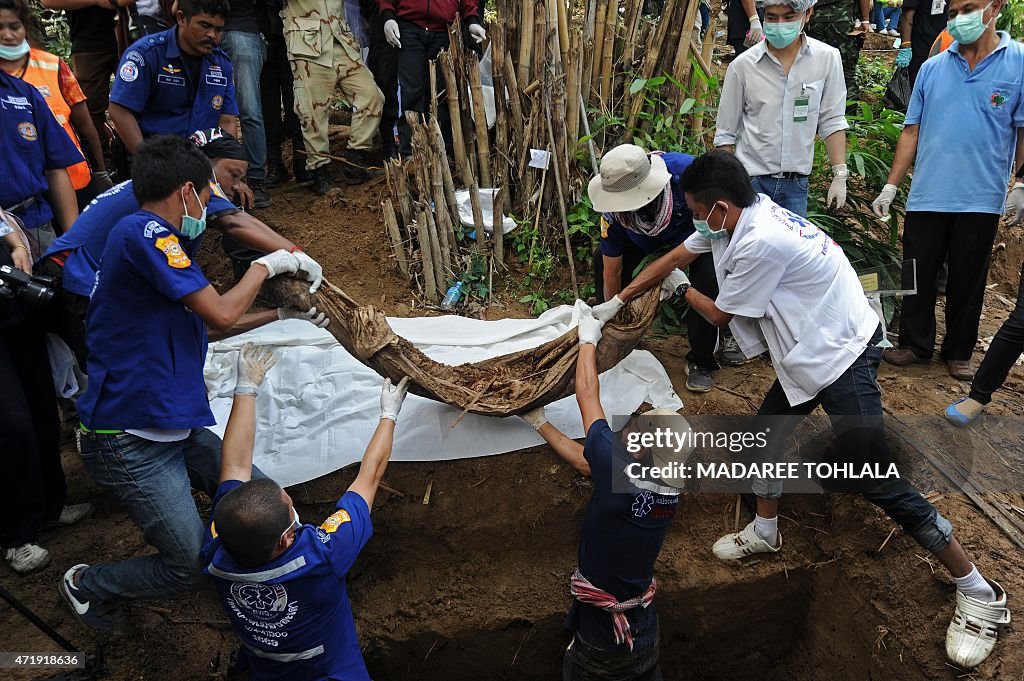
(253, 363)
(378, 452)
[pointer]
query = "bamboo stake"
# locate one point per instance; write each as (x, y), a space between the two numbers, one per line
(630, 41)
(443, 219)
(682, 63)
(572, 86)
(701, 91)
(441, 268)
(515, 103)
(499, 173)
(498, 230)
(563, 30)
(611, 22)
(391, 222)
(599, 43)
(446, 176)
(451, 85)
(404, 198)
(526, 41)
(586, 77)
(536, 220)
(480, 120)
(474, 202)
(561, 210)
(429, 278)
(650, 61)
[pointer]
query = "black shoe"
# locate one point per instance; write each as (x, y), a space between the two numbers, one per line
(260, 197)
(388, 147)
(321, 181)
(299, 170)
(362, 169)
(277, 174)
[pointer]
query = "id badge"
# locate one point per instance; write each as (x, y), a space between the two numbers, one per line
(800, 107)
(938, 6)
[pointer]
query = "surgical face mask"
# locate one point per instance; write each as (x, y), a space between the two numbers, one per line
(17, 52)
(190, 226)
(782, 34)
(294, 526)
(704, 229)
(967, 27)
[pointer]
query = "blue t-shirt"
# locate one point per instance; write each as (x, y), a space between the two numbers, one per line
(146, 348)
(968, 133)
(621, 538)
(88, 236)
(614, 235)
(293, 614)
(32, 142)
(153, 80)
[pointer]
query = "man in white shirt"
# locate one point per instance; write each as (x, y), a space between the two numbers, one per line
(786, 285)
(777, 95)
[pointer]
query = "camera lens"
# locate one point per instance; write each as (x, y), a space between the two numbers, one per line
(35, 294)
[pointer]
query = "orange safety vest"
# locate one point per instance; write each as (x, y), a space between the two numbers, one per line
(42, 71)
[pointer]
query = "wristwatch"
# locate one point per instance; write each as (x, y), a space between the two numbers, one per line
(682, 289)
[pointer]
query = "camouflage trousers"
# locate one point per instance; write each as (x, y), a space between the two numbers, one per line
(831, 24)
(314, 89)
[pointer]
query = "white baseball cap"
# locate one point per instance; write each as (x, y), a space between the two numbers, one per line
(630, 178)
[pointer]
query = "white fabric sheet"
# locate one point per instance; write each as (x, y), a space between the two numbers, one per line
(319, 405)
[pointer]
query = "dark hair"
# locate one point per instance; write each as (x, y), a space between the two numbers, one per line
(718, 175)
(164, 163)
(193, 8)
(33, 28)
(249, 521)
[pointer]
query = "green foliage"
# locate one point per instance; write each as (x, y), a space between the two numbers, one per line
(1011, 18)
(873, 74)
(475, 280)
(51, 29)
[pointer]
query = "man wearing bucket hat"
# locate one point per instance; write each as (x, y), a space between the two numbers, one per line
(787, 287)
(643, 212)
(613, 618)
(777, 96)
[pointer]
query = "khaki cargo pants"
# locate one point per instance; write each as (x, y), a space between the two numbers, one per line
(315, 82)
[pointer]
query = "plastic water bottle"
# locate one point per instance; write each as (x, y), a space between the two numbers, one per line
(451, 298)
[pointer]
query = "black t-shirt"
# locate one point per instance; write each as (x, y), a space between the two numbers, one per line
(92, 30)
(621, 538)
(242, 16)
(927, 26)
(193, 63)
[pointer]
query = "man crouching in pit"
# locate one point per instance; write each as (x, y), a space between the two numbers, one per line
(613, 618)
(282, 583)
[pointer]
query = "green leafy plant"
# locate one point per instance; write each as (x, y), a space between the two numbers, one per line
(873, 74)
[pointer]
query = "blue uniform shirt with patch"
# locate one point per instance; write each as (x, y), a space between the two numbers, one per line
(146, 348)
(85, 242)
(621, 538)
(293, 614)
(968, 129)
(154, 82)
(33, 142)
(614, 235)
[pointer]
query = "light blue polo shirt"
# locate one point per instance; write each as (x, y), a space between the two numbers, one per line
(968, 133)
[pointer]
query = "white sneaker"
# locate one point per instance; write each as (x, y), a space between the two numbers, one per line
(72, 514)
(972, 633)
(27, 558)
(741, 544)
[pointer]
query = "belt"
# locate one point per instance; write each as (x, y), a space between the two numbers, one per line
(101, 431)
(785, 176)
(22, 205)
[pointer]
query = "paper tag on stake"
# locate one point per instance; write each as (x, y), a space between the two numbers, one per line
(539, 158)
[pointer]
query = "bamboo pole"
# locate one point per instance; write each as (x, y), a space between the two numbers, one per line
(498, 228)
(526, 41)
(572, 90)
(451, 85)
(446, 176)
(474, 202)
(650, 61)
(483, 149)
(598, 57)
(563, 30)
(404, 198)
(512, 85)
(391, 222)
(629, 42)
(443, 218)
(426, 258)
(611, 23)
(561, 210)
(440, 268)
(587, 43)
(682, 63)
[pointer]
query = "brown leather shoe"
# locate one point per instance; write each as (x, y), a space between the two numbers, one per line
(961, 369)
(902, 357)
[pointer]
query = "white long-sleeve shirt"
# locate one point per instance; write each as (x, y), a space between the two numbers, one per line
(758, 107)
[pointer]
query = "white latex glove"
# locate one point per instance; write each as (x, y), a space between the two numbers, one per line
(837, 190)
(880, 206)
(674, 280)
(314, 273)
(254, 361)
(392, 34)
(535, 417)
(756, 32)
(391, 398)
(590, 328)
(1015, 203)
(478, 33)
(607, 309)
(278, 262)
(312, 316)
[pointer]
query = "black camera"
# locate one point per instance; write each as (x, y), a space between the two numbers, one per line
(34, 291)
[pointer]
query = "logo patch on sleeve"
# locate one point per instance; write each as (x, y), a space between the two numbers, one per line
(336, 520)
(217, 102)
(172, 250)
(128, 72)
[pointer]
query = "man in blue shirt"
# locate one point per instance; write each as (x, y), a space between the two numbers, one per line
(959, 186)
(176, 81)
(74, 258)
(36, 153)
(282, 583)
(145, 410)
(644, 213)
(613, 618)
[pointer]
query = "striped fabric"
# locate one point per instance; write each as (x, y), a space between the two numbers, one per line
(585, 592)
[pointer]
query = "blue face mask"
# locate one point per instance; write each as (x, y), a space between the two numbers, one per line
(782, 34)
(704, 229)
(967, 27)
(11, 53)
(190, 226)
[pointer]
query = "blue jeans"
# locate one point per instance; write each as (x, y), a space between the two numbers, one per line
(853, 403)
(248, 51)
(153, 482)
(791, 194)
(880, 15)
